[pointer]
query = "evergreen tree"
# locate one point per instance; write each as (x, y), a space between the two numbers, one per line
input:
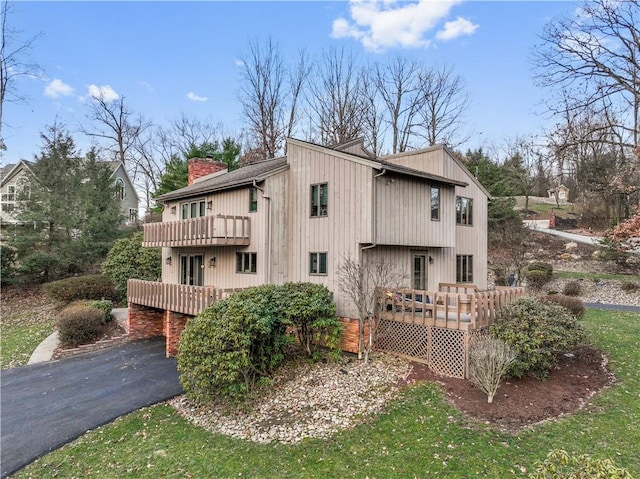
(69, 212)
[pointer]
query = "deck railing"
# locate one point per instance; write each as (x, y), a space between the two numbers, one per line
(464, 311)
(201, 231)
(179, 298)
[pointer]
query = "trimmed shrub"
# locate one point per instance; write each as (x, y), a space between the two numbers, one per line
(538, 274)
(560, 465)
(574, 305)
(78, 324)
(629, 286)
(128, 259)
(103, 305)
(95, 286)
(537, 331)
(232, 344)
(572, 288)
(310, 309)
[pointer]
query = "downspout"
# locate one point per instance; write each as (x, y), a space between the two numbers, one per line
(268, 198)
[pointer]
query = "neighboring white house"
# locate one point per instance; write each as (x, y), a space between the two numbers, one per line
(15, 179)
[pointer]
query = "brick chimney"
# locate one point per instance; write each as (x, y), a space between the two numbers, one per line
(199, 167)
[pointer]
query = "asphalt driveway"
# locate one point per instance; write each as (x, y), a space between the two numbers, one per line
(44, 406)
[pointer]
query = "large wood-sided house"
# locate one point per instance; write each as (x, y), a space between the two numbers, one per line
(296, 218)
(15, 178)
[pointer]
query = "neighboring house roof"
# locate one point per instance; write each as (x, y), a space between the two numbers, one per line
(244, 176)
(10, 173)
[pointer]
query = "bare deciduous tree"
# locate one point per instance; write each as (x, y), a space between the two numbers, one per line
(362, 282)
(398, 84)
(489, 359)
(269, 96)
(595, 55)
(445, 102)
(336, 101)
(13, 62)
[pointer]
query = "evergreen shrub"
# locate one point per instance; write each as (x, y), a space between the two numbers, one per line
(538, 274)
(90, 287)
(79, 324)
(104, 305)
(537, 331)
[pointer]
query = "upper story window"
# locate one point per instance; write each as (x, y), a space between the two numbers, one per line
(319, 200)
(120, 193)
(435, 203)
(464, 211)
(133, 215)
(253, 200)
(193, 209)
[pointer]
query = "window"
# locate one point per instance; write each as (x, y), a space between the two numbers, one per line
(119, 189)
(192, 270)
(435, 203)
(319, 200)
(133, 215)
(8, 207)
(464, 211)
(253, 200)
(317, 263)
(464, 268)
(11, 196)
(193, 209)
(419, 272)
(246, 262)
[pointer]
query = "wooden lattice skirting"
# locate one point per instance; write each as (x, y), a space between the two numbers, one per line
(443, 350)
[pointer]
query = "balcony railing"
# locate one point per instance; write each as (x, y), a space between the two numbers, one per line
(202, 231)
(179, 298)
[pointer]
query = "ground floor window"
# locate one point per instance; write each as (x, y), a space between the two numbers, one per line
(317, 263)
(246, 262)
(464, 268)
(192, 270)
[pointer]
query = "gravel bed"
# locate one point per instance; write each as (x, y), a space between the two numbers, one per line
(316, 400)
(322, 399)
(599, 291)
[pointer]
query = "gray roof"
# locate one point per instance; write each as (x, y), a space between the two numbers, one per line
(404, 170)
(244, 176)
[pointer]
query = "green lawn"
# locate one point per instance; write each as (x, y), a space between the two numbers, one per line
(585, 275)
(420, 436)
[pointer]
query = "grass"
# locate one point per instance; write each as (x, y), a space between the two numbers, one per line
(420, 435)
(585, 275)
(24, 323)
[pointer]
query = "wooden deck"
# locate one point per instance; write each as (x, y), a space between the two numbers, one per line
(203, 231)
(455, 306)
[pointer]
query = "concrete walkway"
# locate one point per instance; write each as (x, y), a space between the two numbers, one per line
(542, 226)
(47, 405)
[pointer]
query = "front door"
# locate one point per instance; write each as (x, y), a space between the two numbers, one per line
(192, 270)
(419, 272)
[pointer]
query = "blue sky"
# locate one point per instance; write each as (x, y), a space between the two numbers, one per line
(173, 58)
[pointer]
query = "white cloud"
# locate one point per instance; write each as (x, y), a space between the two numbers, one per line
(460, 26)
(193, 97)
(381, 24)
(104, 92)
(57, 88)
(239, 62)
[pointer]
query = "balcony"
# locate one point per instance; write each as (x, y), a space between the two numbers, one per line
(203, 231)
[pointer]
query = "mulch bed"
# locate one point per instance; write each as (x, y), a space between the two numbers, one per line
(523, 402)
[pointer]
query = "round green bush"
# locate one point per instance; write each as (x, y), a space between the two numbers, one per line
(538, 331)
(572, 288)
(104, 305)
(538, 274)
(128, 259)
(78, 324)
(232, 344)
(94, 286)
(309, 308)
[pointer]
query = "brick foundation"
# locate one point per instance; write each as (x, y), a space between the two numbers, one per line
(145, 322)
(174, 324)
(349, 335)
